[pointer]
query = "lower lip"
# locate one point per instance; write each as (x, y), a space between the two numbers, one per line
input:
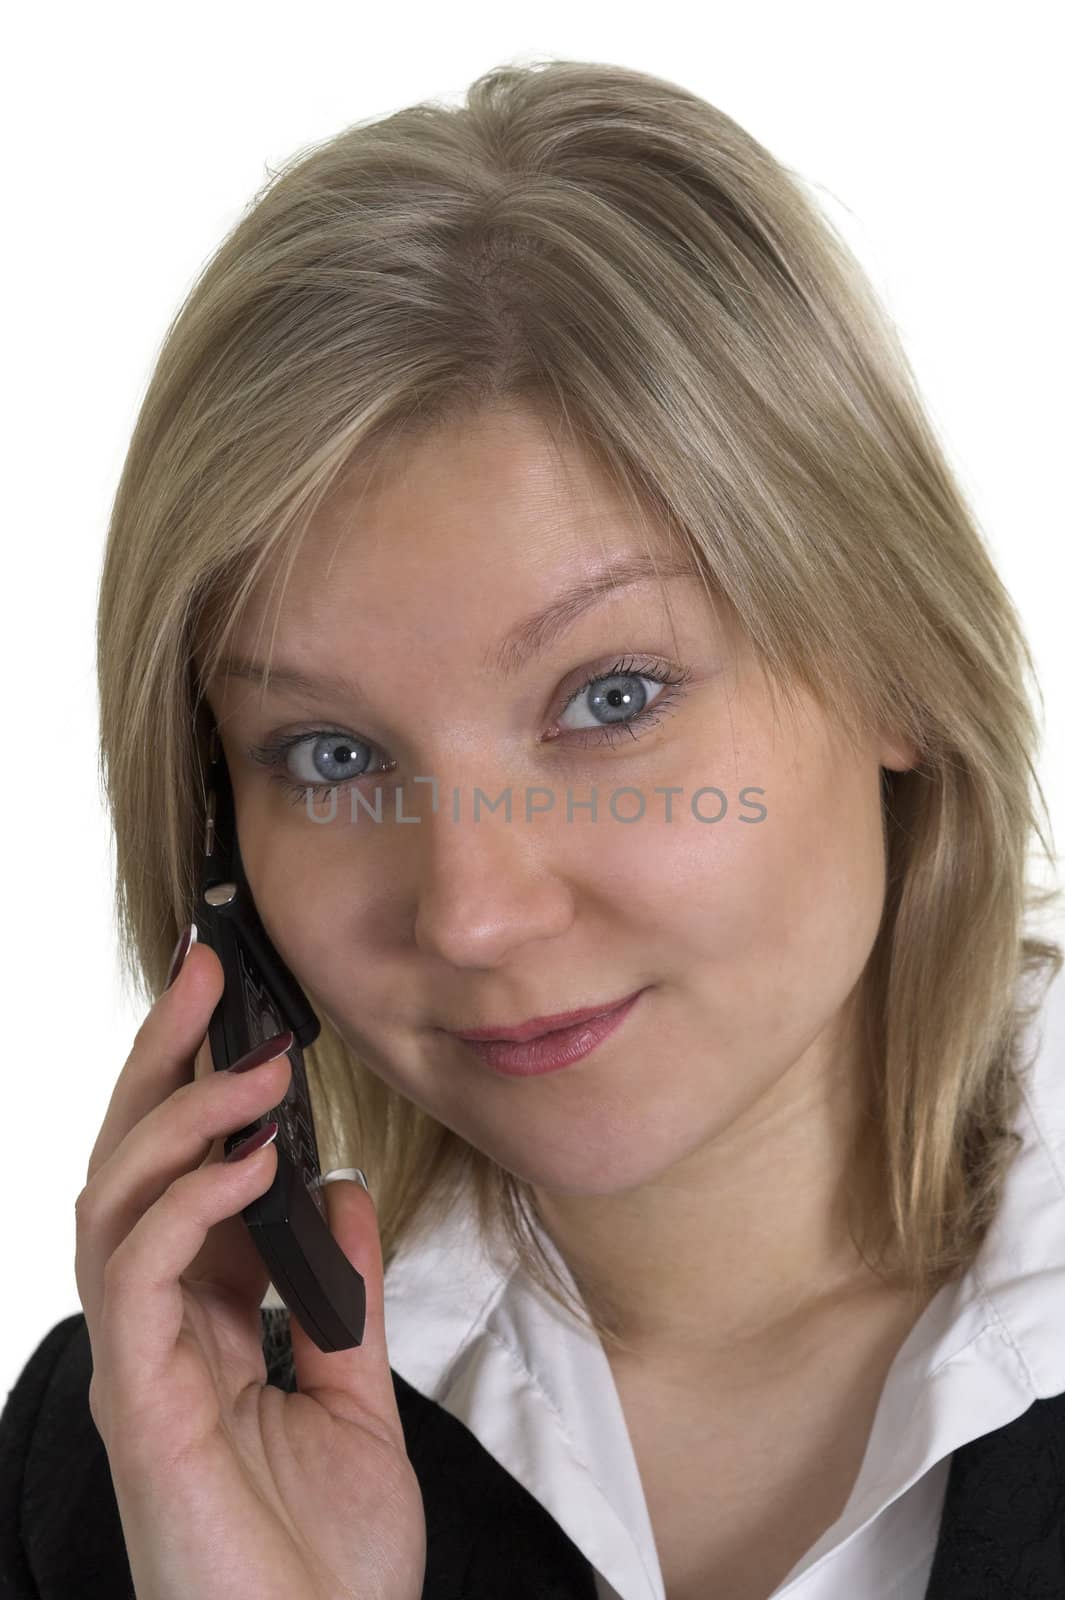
(550, 1051)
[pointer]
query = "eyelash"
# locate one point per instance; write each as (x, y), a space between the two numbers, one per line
(273, 753)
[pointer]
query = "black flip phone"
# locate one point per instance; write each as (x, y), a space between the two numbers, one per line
(288, 1224)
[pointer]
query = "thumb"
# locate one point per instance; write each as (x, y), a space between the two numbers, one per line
(354, 1384)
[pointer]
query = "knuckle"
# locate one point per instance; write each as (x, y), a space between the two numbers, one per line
(95, 1407)
(192, 1102)
(114, 1270)
(185, 1092)
(143, 1033)
(83, 1208)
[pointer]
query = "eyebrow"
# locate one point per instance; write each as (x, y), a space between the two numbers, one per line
(525, 641)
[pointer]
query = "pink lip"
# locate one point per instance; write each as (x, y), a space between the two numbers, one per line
(537, 1025)
(550, 1051)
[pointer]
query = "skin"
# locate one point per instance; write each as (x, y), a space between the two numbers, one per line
(731, 1091)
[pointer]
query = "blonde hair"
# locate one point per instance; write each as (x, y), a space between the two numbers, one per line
(608, 250)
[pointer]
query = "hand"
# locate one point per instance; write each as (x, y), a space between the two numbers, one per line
(226, 1486)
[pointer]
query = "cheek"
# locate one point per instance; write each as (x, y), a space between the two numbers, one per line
(770, 918)
(784, 912)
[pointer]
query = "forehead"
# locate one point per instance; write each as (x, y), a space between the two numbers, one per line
(486, 518)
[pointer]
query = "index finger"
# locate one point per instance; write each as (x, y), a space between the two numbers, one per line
(164, 1051)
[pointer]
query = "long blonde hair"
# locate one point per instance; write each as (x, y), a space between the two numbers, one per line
(610, 250)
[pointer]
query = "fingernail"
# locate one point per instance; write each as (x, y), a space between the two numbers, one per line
(347, 1172)
(269, 1050)
(255, 1141)
(181, 950)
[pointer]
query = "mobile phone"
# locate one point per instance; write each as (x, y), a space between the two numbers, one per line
(289, 1223)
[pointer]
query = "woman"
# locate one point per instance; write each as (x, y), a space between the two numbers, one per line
(555, 447)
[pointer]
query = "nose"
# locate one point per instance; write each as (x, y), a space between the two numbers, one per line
(485, 888)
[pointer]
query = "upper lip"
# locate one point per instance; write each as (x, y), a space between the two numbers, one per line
(538, 1025)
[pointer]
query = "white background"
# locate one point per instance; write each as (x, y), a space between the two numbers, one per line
(134, 136)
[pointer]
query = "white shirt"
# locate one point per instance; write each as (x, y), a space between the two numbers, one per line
(538, 1392)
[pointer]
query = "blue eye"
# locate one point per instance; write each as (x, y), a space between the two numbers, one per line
(323, 758)
(328, 758)
(619, 699)
(318, 761)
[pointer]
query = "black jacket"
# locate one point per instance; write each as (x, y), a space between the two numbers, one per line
(1002, 1535)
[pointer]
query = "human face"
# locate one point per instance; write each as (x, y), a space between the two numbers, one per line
(746, 934)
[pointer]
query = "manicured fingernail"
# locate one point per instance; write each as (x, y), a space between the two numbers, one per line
(255, 1141)
(181, 950)
(269, 1050)
(349, 1173)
